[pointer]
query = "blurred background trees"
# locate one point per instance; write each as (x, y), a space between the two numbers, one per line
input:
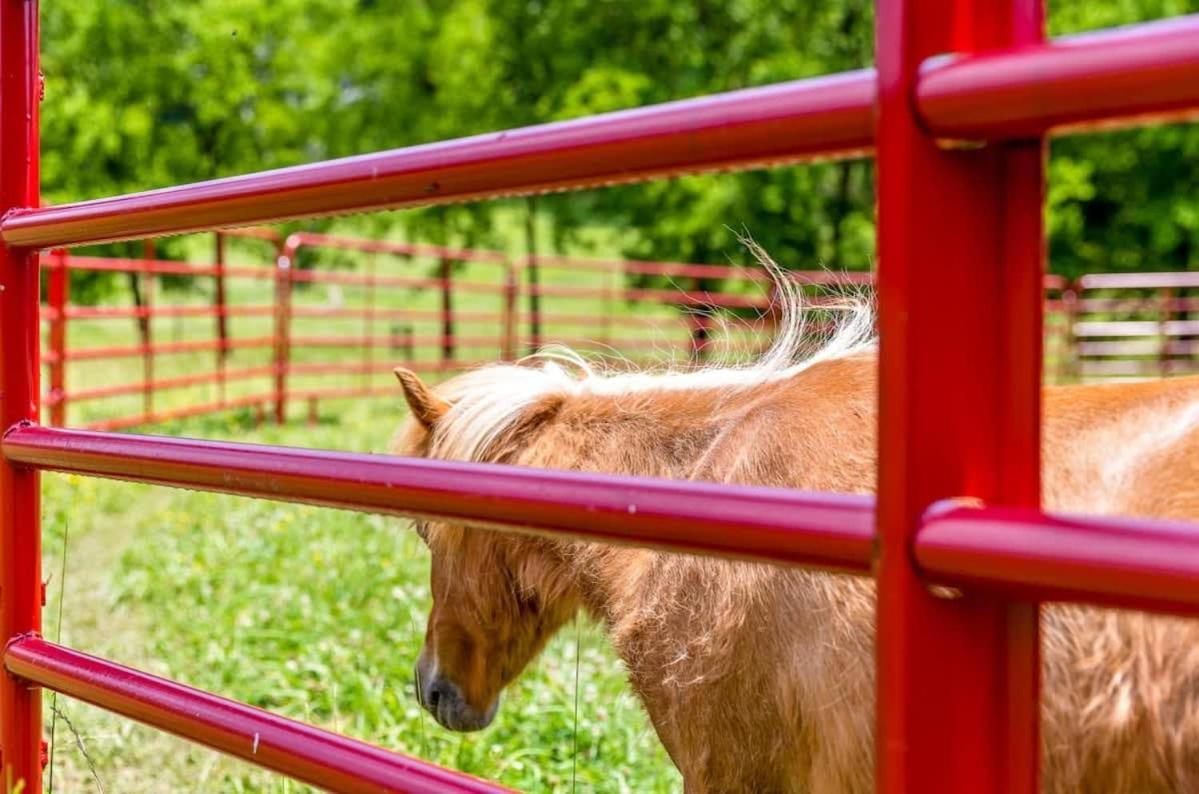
(141, 94)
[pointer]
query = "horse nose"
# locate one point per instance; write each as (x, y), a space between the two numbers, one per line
(440, 691)
(444, 700)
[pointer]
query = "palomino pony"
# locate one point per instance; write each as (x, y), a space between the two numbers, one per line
(761, 678)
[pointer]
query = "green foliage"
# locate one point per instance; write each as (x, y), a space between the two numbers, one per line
(143, 94)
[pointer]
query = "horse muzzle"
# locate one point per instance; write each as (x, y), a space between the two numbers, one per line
(444, 700)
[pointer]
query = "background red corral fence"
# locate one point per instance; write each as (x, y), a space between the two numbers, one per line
(402, 303)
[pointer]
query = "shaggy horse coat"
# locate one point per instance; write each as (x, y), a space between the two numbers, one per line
(761, 678)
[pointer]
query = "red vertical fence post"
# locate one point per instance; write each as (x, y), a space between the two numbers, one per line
(284, 263)
(511, 309)
(20, 370)
(219, 307)
(1071, 293)
(959, 412)
(533, 268)
(59, 294)
(700, 323)
(368, 325)
(149, 282)
(613, 277)
(1165, 313)
(447, 311)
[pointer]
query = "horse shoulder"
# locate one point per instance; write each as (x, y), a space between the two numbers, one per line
(814, 431)
(1123, 449)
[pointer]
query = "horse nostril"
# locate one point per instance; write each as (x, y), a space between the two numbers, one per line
(434, 696)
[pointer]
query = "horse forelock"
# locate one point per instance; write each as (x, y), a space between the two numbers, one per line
(487, 403)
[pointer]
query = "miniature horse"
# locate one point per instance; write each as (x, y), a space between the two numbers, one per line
(761, 678)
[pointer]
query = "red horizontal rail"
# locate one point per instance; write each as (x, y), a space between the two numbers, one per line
(394, 341)
(1136, 368)
(312, 755)
(1137, 328)
(647, 268)
(116, 390)
(1136, 347)
(668, 297)
(124, 312)
(822, 116)
(770, 524)
(315, 240)
(1133, 563)
(137, 420)
(688, 270)
(160, 267)
(264, 233)
(1164, 280)
(1141, 304)
(196, 346)
(459, 317)
(592, 319)
(1124, 73)
(367, 312)
(340, 393)
(413, 282)
(157, 266)
(662, 344)
(384, 367)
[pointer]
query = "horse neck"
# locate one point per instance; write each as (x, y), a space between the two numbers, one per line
(648, 432)
(721, 434)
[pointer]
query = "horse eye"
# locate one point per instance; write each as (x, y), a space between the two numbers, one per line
(422, 529)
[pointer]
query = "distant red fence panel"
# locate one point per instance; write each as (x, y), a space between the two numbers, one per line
(438, 309)
(1135, 325)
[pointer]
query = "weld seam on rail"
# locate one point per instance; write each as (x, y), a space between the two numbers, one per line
(304, 752)
(765, 524)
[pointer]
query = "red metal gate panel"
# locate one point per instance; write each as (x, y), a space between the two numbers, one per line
(959, 415)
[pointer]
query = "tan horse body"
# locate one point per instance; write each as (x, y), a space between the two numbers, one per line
(761, 678)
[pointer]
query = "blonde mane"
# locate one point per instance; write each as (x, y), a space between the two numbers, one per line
(488, 401)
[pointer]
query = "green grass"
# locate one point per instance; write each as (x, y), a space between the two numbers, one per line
(314, 613)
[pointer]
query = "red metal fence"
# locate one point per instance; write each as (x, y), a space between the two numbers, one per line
(416, 304)
(959, 412)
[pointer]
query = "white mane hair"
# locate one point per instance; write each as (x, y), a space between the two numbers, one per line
(486, 402)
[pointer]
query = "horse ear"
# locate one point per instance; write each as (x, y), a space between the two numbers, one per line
(426, 406)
